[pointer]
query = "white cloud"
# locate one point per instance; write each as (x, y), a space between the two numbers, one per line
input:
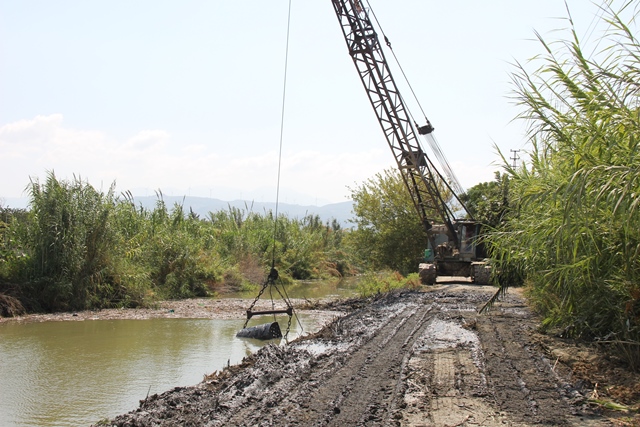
(147, 140)
(29, 128)
(154, 159)
(32, 147)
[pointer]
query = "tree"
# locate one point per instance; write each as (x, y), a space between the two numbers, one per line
(487, 202)
(388, 234)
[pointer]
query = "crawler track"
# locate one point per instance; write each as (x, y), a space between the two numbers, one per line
(365, 388)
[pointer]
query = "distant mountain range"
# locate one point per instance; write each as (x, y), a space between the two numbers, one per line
(342, 211)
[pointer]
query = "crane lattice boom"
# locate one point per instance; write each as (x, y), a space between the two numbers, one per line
(420, 175)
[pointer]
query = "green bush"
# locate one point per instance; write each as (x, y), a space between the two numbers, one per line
(78, 248)
(375, 283)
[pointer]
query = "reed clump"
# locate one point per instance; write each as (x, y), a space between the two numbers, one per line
(78, 248)
(574, 222)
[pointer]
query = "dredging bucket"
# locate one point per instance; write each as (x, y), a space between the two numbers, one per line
(266, 331)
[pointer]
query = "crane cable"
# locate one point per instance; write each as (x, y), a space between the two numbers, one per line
(433, 143)
(285, 297)
(270, 282)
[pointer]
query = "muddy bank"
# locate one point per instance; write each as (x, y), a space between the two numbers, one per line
(203, 308)
(407, 359)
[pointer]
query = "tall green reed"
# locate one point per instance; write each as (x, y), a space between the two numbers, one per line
(574, 224)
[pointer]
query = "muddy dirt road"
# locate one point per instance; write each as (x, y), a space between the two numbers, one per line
(407, 359)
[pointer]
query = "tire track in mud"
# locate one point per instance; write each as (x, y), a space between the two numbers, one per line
(368, 397)
(359, 389)
(445, 381)
(484, 370)
(521, 384)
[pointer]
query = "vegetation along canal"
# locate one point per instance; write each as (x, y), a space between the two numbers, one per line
(76, 373)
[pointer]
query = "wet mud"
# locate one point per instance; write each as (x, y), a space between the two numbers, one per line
(401, 359)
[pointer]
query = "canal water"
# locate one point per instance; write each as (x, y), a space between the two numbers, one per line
(77, 373)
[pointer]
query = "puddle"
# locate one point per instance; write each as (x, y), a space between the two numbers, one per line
(442, 334)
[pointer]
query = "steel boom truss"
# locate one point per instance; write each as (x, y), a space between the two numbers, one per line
(421, 177)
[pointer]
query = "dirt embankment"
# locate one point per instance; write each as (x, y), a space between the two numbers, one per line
(199, 308)
(406, 359)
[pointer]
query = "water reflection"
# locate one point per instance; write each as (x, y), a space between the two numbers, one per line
(75, 373)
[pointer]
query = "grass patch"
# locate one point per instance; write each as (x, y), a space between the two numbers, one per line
(386, 281)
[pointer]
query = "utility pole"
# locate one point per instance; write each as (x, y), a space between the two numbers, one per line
(515, 157)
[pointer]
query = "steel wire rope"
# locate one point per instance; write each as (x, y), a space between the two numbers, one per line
(433, 143)
(282, 111)
(270, 282)
(271, 278)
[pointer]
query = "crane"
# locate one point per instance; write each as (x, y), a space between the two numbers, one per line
(453, 249)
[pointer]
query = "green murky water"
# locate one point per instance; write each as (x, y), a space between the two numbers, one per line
(76, 373)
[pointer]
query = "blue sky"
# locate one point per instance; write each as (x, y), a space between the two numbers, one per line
(186, 96)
